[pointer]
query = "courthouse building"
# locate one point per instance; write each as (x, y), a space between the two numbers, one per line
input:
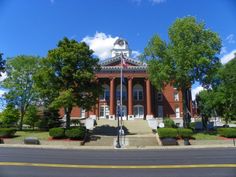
(140, 99)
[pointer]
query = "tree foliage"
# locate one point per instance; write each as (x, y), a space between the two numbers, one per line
(20, 83)
(67, 78)
(220, 100)
(188, 56)
(2, 64)
(10, 116)
(31, 116)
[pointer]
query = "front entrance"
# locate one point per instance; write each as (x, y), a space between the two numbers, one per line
(138, 112)
(124, 112)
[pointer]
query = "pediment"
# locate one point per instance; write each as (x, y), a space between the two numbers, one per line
(116, 61)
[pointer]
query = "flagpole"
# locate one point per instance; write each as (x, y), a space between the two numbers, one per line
(120, 111)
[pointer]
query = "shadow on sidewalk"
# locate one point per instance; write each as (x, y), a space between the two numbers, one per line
(107, 130)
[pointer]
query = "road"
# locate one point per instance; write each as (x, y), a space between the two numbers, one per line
(27, 162)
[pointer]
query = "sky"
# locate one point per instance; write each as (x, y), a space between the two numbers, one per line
(34, 27)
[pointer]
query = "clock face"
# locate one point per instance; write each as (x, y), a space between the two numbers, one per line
(121, 42)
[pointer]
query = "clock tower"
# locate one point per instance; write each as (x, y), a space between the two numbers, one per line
(120, 46)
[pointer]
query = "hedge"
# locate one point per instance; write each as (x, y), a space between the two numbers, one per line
(167, 132)
(169, 123)
(57, 133)
(227, 132)
(76, 133)
(7, 132)
(185, 132)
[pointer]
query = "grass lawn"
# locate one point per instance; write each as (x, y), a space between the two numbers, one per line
(21, 135)
(205, 136)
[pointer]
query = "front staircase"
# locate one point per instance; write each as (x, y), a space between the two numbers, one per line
(134, 127)
(137, 133)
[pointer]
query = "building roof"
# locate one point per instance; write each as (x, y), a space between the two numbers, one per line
(113, 64)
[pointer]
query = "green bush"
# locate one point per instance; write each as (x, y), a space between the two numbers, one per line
(167, 132)
(169, 123)
(185, 132)
(57, 133)
(227, 132)
(7, 132)
(76, 132)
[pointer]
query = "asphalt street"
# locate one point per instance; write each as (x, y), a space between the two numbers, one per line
(27, 162)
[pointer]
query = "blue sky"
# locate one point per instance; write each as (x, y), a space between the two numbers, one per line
(34, 27)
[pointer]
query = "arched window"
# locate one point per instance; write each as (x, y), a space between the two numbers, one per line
(106, 93)
(138, 92)
(124, 92)
(138, 111)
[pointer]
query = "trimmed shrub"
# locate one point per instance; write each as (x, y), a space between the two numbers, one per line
(76, 133)
(7, 132)
(57, 133)
(167, 132)
(169, 123)
(227, 132)
(185, 132)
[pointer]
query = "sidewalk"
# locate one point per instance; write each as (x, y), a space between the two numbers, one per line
(135, 143)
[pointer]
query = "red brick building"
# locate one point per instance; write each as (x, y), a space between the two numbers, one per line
(140, 99)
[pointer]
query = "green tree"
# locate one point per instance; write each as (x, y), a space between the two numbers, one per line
(22, 93)
(68, 77)
(31, 116)
(187, 57)
(2, 64)
(227, 89)
(9, 116)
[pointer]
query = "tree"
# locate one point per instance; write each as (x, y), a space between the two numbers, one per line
(2, 64)
(67, 78)
(22, 93)
(227, 90)
(10, 116)
(188, 56)
(31, 116)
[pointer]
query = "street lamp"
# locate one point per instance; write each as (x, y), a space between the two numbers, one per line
(118, 126)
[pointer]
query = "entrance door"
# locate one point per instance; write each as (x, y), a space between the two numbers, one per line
(124, 111)
(138, 111)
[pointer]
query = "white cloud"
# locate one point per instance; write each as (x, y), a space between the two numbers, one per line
(4, 76)
(135, 53)
(227, 57)
(230, 39)
(223, 50)
(138, 2)
(195, 91)
(2, 92)
(157, 1)
(101, 44)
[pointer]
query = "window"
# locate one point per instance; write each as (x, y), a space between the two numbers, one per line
(82, 113)
(104, 111)
(159, 96)
(138, 111)
(138, 92)
(176, 96)
(106, 93)
(160, 111)
(177, 112)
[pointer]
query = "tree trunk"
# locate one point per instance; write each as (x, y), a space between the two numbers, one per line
(67, 113)
(186, 116)
(21, 119)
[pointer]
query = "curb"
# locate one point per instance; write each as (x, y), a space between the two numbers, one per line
(113, 148)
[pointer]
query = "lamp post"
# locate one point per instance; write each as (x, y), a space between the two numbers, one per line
(118, 126)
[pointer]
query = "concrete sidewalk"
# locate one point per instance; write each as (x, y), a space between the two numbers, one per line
(107, 142)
